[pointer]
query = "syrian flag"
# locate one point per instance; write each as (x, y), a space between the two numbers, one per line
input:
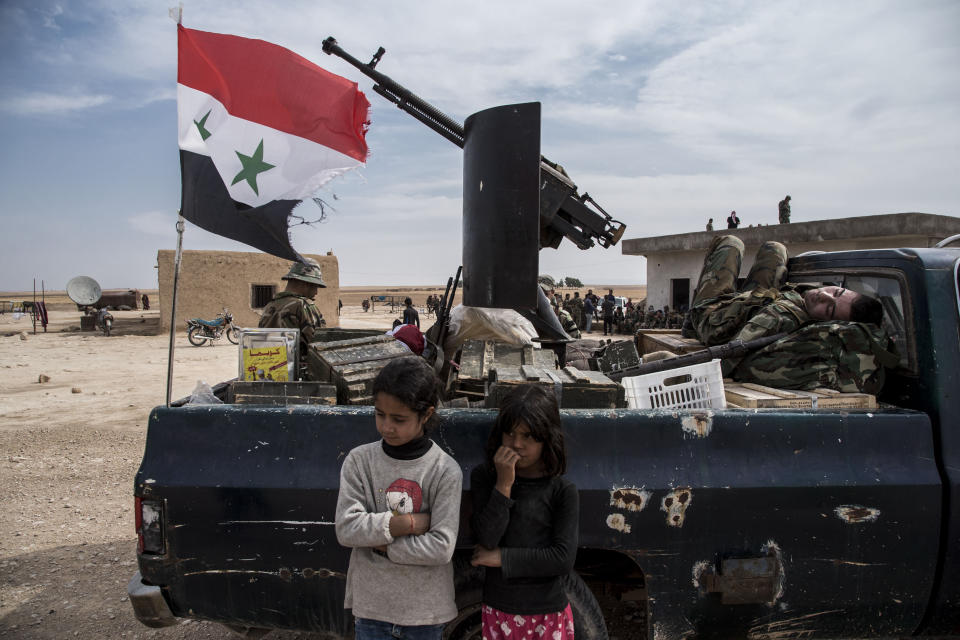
(260, 129)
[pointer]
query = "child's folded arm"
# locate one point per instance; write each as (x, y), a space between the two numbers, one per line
(355, 526)
(436, 546)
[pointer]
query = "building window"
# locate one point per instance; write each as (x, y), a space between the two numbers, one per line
(262, 294)
(680, 294)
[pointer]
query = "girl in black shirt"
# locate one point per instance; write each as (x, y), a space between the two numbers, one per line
(525, 519)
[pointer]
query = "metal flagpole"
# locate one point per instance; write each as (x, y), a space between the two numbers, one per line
(173, 305)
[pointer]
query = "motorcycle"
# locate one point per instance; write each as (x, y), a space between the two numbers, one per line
(104, 321)
(200, 331)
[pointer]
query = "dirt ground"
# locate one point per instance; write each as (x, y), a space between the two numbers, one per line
(73, 413)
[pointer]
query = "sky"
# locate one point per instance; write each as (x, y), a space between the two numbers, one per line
(667, 113)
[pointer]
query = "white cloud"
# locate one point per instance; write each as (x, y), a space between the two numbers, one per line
(28, 104)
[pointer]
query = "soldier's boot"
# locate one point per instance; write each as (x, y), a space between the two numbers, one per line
(769, 270)
(721, 268)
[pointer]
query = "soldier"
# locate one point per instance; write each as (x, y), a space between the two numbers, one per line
(835, 340)
(785, 210)
(710, 224)
(577, 311)
(566, 321)
(293, 308)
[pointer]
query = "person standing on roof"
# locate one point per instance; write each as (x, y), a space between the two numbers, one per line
(784, 207)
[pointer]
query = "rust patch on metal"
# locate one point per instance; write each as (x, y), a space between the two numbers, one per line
(856, 514)
(675, 505)
(308, 573)
(617, 522)
(629, 498)
(697, 425)
(285, 574)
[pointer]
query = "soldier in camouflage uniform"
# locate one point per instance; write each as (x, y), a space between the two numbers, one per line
(566, 321)
(577, 310)
(835, 339)
(293, 308)
(784, 210)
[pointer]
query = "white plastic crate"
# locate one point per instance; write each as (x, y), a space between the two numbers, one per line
(699, 386)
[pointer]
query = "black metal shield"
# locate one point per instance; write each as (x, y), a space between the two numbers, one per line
(501, 207)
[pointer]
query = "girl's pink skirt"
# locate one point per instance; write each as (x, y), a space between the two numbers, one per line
(498, 625)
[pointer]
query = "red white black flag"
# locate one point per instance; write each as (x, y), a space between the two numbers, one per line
(260, 129)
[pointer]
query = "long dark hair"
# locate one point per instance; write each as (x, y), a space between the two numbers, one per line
(412, 381)
(537, 408)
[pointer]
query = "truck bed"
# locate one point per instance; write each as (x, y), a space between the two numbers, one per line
(844, 505)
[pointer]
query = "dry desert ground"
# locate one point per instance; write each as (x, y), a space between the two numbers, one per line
(69, 449)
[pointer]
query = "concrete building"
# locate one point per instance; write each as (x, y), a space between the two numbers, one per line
(240, 281)
(674, 262)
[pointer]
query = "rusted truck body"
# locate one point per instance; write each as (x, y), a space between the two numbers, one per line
(759, 523)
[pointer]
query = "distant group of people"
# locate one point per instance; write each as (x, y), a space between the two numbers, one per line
(577, 314)
(733, 220)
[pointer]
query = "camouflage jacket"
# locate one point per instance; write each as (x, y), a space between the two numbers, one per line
(750, 314)
(566, 321)
(292, 311)
(845, 356)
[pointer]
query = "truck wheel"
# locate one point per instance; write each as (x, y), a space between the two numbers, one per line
(588, 622)
(588, 619)
(196, 337)
(232, 335)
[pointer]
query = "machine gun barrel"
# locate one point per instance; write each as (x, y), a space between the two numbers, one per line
(733, 349)
(400, 95)
(563, 212)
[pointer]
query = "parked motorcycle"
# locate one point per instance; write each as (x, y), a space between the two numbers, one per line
(200, 331)
(104, 321)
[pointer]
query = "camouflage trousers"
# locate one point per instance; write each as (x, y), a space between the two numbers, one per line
(718, 309)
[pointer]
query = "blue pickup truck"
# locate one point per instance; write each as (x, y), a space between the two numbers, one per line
(755, 523)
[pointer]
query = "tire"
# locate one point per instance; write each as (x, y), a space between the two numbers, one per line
(107, 325)
(233, 335)
(588, 619)
(196, 337)
(588, 622)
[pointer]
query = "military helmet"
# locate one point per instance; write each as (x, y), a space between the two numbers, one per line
(308, 271)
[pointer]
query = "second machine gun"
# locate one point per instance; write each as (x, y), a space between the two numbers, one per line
(563, 211)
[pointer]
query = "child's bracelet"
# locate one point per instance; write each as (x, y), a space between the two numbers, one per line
(411, 523)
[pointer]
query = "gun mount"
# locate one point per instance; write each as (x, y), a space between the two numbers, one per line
(564, 213)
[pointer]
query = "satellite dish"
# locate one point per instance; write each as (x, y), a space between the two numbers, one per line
(83, 290)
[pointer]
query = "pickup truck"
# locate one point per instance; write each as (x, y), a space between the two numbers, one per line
(758, 523)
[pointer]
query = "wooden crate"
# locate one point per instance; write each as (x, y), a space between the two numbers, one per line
(352, 365)
(478, 357)
(575, 389)
(830, 399)
(749, 395)
(280, 393)
(756, 396)
(650, 340)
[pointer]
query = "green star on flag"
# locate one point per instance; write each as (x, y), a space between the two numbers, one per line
(201, 126)
(252, 166)
(234, 92)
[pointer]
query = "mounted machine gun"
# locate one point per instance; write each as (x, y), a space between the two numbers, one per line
(563, 211)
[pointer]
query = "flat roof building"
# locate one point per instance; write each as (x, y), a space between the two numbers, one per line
(244, 282)
(674, 261)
